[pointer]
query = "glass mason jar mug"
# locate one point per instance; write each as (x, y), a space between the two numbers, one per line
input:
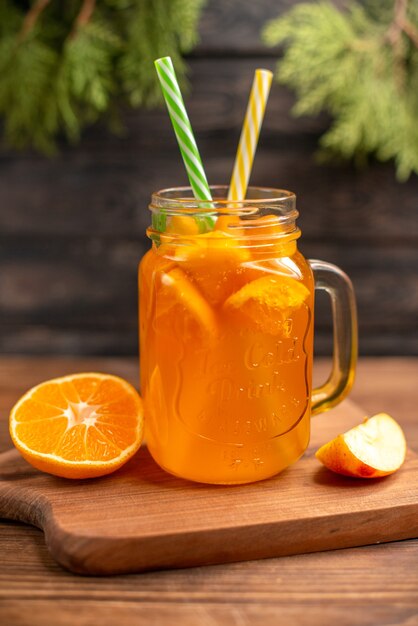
(226, 335)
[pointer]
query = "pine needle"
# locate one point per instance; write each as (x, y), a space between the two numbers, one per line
(61, 73)
(359, 68)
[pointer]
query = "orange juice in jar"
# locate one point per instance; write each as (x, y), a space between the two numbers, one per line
(226, 336)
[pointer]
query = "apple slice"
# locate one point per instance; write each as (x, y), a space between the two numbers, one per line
(377, 447)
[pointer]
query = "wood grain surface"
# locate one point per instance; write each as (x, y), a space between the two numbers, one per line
(368, 586)
(141, 518)
(72, 227)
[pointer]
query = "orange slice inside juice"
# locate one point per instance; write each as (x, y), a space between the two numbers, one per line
(266, 301)
(213, 262)
(182, 225)
(178, 299)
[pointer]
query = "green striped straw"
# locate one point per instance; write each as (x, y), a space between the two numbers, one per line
(185, 138)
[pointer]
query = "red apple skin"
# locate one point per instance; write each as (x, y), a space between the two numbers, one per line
(346, 453)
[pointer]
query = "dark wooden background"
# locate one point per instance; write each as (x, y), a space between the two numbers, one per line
(72, 228)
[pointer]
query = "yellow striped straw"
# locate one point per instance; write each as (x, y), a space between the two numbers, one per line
(249, 135)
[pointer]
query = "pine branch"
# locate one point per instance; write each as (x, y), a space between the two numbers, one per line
(359, 66)
(31, 18)
(410, 30)
(156, 28)
(84, 16)
(66, 65)
(401, 24)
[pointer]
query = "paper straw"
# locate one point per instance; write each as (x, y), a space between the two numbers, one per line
(184, 133)
(249, 135)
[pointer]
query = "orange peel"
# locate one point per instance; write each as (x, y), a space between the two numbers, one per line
(78, 426)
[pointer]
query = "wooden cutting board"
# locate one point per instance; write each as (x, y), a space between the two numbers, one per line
(142, 518)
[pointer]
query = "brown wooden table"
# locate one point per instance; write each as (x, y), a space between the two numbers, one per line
(373, 585)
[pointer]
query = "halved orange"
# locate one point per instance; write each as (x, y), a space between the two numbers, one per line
(78, 426)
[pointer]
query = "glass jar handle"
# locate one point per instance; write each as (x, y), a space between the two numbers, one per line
(340, 289)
